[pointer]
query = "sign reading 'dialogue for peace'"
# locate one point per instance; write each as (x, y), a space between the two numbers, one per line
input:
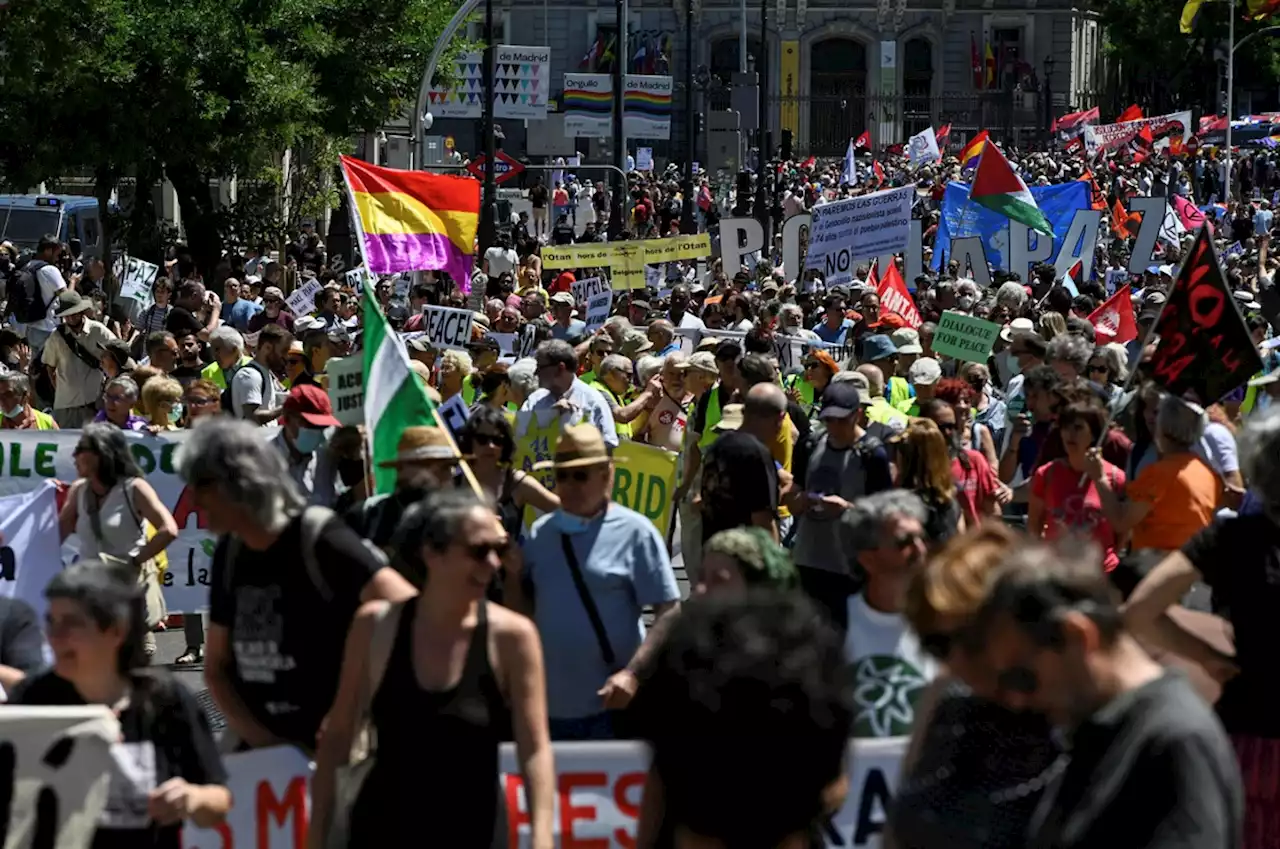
(964, 337)
(864, 227)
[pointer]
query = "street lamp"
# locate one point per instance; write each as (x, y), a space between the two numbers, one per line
(1049, 62)
(687, 225)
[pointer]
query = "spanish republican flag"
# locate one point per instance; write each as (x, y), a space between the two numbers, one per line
(1255, 9)
(413, 221)
(973, 150)
(990, 66)
(998, 187)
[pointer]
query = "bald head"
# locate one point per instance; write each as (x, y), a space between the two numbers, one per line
(762, 411)
(875, 378)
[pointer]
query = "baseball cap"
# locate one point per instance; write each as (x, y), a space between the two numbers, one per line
(878, 347)
(562, 298)
(730, 418)
(703, 361)
(924, 372)
(312, 404)
(840, 400)
(907, 341)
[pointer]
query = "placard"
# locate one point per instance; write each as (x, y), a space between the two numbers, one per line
(454, 414)
(355, 279)
(138, 280)
(863, 227)
(346, 389)
(506, 341)
(964, 337)
(644, 159)
(29, 553)
(585, 290)
(598, 310)
(302, 300)
(270, 802)
(447, 327)
(644, 479)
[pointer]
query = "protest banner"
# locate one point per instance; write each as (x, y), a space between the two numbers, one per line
(644, 479)
(506, 341)
(60, 772)
(454, 414)
(355, 279)
(788, 349)
(598, 310)
(346, 389)
(627, 260)
(1205, 348)
(864, 227)
(271, 803)
(587, 288)
(644, 159)
(447, 327)
(1101, 138)
(138, 279)
(302, 300)
(31, 458)
(964, 337)
(29, 553)
(536, 433)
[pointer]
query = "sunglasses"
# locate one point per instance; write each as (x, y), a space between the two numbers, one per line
(1096, 367)
(116, 398)
(575, 475)
(490, 439)
(200, 402)
(481, 551)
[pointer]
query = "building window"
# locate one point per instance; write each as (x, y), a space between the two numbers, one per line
(1006, 42)
(917, 86)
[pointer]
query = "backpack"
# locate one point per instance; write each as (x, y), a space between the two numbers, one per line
(226, 402)
(25, 303)
(314, 519)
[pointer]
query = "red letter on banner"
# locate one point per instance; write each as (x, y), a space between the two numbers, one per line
(569, 812)
(627, 807)
(515, 817)
(293, 805)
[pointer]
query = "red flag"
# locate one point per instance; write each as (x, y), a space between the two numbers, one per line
(863, 142)
(879, 172)
(895, 298)
(1133, 113)
(873, 281)
(975, 61)
(809, 163)
(1114, 321)
(943, 137)
(1099, 200)
(895, 149)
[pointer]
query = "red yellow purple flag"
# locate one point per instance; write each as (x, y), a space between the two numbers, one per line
(414, 221)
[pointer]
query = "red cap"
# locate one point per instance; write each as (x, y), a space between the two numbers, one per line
(312, 403)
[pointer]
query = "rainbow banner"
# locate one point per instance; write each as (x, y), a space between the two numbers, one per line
(587, 104)
(647, 107)
(413, 221)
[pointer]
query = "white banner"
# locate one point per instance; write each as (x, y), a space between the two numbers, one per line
(29, 554)
(33, 458)
(66, 752)
(586, 289)
(1106, 137)
(302, 300)
(447, 327)
(598, 310)
(598, 792)
(864, 227)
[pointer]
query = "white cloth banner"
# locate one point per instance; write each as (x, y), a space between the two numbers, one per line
(66, 750)
(1107, 137)
(33, 458)
(598, 792)
(922, 148)
(864, 227)
(29, 554)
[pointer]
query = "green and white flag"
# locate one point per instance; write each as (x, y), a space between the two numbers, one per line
(394, 398)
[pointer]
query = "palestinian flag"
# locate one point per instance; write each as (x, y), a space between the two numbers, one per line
(999, 189)
(1073, 277)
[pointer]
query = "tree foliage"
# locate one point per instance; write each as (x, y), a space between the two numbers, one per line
(1162, 69)
(200, 89)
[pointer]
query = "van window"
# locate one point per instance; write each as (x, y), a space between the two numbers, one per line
(91, 235)
(25, 226)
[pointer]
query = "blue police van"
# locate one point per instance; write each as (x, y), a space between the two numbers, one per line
(24, 219)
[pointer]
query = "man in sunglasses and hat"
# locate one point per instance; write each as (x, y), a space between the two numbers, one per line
(73, 357)
(588, 571)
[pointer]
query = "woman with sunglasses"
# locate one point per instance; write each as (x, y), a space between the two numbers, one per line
(445, 677)
(487, 442)
(96, 627)
(974, 771)
(806, 389)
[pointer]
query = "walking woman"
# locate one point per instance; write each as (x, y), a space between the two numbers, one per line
(924, 467)
(96, 628)
(456, 676)
(110, 509)
(1237, 558)
(488, 443)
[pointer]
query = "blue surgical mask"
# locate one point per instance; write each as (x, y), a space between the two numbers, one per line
(308, 440)
(1015, 367)
(14, 412)
(175, 414)
(568, 523)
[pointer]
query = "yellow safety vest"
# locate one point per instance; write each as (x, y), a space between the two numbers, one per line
(713, 418)
(623, 430)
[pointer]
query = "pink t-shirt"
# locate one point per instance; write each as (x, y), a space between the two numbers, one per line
(1070, 508)
(974, 487)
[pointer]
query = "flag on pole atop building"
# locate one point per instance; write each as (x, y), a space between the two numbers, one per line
(849, 176)
(922, 148)
(997, 187)
(393, 395)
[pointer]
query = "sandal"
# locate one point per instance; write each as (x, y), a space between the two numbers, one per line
(191, 656)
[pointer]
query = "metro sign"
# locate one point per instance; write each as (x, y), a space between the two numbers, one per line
(504, 169)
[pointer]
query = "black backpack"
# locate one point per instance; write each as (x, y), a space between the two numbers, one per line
(228, 406)
(25, 303)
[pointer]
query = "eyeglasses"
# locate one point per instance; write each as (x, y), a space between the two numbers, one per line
(117, 398)
(575, 475)
(491, 439)
(481, 551)
(269, 301)
(908, 538)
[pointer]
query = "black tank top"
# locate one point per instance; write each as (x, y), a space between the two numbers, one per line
(435, 781)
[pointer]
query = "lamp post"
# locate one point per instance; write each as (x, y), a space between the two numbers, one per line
(488, 225)
(1048, 98)
(762, 152)
(687, 225)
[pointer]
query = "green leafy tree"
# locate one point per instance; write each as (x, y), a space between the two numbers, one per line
(202, 89)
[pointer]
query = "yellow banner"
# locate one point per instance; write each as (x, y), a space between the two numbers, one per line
(644, 479)
(626, 260)
(789, 76)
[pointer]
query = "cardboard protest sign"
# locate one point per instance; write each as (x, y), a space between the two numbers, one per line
(587, 288)
(29, 552)
(964, 337)
(1205, 350)
(843, 232)
(598, 310)
(644, 479)
(271, 802)
(302, 300)
(138, 279)
(56, 768)
(454, 414)
(346, 389)
(506, 341)
(447, 327)
(355, 279)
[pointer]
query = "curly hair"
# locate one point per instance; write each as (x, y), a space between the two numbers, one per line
(762, 562)
(954, 390)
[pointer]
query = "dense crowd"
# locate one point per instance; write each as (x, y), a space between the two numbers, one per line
(1001, 559)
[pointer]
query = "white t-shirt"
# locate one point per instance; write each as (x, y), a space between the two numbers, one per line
(501, 261)
(253, 384)
(890, 670)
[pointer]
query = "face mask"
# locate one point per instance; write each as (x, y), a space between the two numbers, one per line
(175, 413)
(308, 440)
(14, 412)
(1012, 364)
(568, 523)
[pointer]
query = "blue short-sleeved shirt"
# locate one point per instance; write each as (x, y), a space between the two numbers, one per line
(625, 566)
(238, 314)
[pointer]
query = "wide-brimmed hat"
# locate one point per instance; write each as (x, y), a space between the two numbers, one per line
(119, 351)
(703, 361)
(1018, 325)
(635, 342)
(422, 444)
(70, 303)
(578, 445)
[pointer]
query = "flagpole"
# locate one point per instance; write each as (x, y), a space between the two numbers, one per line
(1231, 81)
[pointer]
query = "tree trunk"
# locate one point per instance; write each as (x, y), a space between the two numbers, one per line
(146, 237)
(199, 216)
(104, 181)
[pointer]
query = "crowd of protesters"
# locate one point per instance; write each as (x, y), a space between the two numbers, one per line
(989, 557)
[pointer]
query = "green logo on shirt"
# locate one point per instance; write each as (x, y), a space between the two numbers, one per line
(885, 692)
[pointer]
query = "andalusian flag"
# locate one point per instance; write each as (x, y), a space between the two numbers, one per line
(393, 395)
(999, 189)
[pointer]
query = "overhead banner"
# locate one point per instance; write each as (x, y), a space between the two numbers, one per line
(29, 552)
(587, 105)
(521, 82)
(863, 227)
(466, 98)
(646, 104)
(1100, 138)
(63, 772)
(29, 460)
(626, 260)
